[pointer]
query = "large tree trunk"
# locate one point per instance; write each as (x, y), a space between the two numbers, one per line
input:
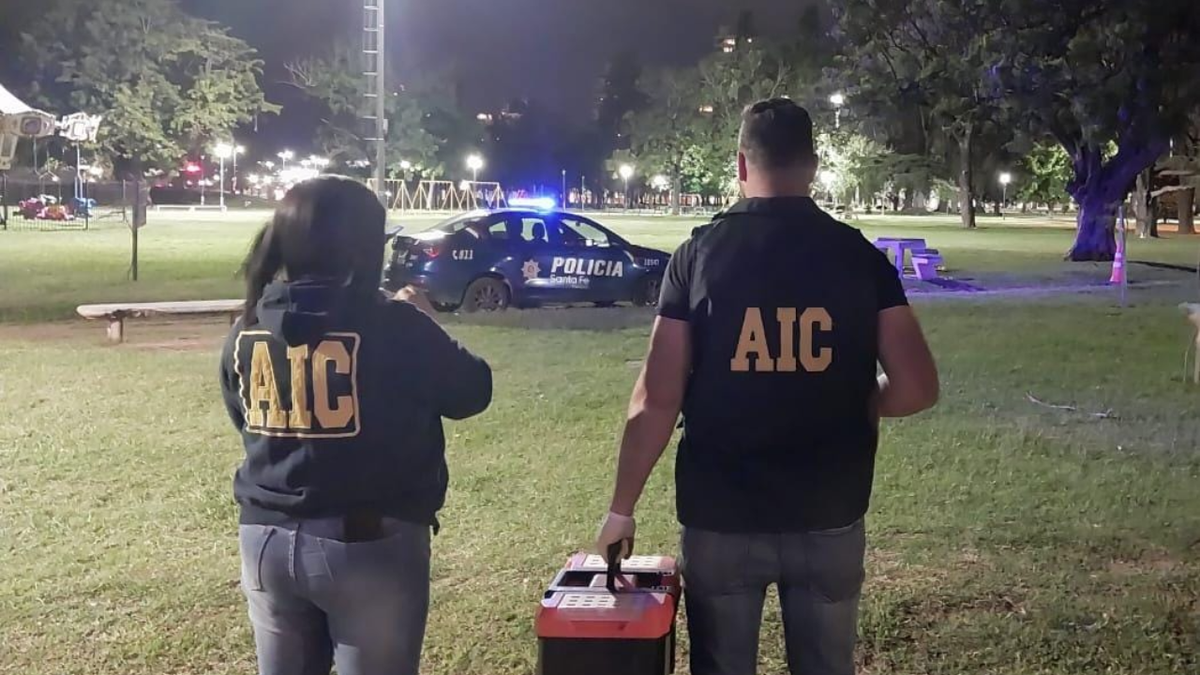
(1186, 201)
(1094, 239)
(966, 200)
(909, 200)
(1099, 188)
(1144, 205)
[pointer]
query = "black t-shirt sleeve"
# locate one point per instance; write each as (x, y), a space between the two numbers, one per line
(889, 289)
(676, 299)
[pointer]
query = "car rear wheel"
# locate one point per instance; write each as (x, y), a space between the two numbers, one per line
(486, 294)
(647, 292)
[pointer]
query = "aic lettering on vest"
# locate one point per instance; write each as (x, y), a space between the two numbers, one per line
(332, 402)
(753, 342)
(588, 267)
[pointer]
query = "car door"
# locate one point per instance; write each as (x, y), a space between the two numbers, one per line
(536, 245)
(598, 257)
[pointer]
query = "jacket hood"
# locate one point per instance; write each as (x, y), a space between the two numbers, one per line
(300, 312)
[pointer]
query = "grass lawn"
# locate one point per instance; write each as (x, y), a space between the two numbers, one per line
(1006, 537)
(45, 275)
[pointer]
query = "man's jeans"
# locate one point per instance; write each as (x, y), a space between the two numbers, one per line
(819, 575)
(315, 600)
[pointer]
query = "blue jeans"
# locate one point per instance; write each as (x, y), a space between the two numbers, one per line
(315, 601)
(819, 575)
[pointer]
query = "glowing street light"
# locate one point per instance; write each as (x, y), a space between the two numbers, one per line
(475, 163)
(224, 151)
(318, 162)
(237, 150)
(838, 99)
(285, 157)
(405, 165)
(1005, 179)
(626, 172)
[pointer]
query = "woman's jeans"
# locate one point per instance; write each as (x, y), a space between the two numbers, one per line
(316, 601)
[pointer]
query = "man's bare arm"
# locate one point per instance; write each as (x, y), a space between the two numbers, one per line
(909, 383)
(653, 410)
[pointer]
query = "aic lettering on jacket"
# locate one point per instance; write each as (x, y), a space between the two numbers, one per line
(299, 392)
(796, 343)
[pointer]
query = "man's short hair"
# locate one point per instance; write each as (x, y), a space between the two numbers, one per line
(777, 134)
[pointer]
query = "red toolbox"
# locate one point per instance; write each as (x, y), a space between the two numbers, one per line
(594, 620)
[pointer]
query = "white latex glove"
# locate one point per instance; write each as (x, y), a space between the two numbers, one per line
(616, 528)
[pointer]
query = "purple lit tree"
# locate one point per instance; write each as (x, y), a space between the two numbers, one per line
(1098, 75)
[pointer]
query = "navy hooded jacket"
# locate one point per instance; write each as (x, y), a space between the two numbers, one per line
(339, 396)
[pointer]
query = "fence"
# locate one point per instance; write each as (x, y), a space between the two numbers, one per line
(56, 202)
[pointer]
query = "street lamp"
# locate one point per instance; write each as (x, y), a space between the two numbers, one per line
(474, 163)
(828, 179)
(285, 156)
(237, 150)
(626, 172)
(1005, 179)
(319, 163)
(223, 151)
(566, 200)
(838, 100)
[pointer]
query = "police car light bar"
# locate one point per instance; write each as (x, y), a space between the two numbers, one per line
(539, 203)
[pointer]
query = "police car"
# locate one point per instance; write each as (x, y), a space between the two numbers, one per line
(489, 260)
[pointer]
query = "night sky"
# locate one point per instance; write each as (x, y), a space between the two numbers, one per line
(552, 51)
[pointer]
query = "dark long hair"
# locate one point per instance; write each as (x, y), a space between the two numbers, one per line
(328, 227)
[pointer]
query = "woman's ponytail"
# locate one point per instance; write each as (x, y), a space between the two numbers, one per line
(261, 268)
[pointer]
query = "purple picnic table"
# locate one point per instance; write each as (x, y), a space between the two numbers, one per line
(897, 248)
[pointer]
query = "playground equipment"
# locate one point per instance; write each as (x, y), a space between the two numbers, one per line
(17, 121)
(444, 195)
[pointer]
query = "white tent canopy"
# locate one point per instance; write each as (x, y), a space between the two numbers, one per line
(11, 105)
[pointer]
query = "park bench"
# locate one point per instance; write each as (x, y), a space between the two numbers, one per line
(115, 314)
(926, 263)
(191, 208)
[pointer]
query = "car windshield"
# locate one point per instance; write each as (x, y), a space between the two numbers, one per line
(578, 232)
(459, 222)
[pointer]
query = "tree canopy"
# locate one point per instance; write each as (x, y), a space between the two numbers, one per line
(166, 83)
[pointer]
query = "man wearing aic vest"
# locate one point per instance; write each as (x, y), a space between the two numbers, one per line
(773, 323)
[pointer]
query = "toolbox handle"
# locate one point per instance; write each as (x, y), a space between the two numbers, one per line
(614, 564)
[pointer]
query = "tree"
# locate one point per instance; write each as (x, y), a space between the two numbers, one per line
(927, 54)
(850, 162)
(423, 118)
(166, 83)
(1046, 172)
(1090, 73)
(665, 134)
(727, 83)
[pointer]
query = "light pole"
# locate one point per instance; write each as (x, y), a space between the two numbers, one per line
(474, 163)
(223, 151)
(237, 150)
(285, 157)
(566, 201)
(828, 179)
(626, 172)
(1005, 179)
(318, 163)
(838, 100)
